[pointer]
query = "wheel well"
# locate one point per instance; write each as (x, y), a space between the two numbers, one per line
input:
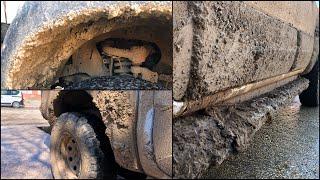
(88, 60)
(81, 101)
(75, 101)
(52, 47)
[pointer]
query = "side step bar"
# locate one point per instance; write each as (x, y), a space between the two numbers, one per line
(250, 90)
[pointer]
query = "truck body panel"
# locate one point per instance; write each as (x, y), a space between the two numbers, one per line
(231, 44)
(124, 114)
(44, 35)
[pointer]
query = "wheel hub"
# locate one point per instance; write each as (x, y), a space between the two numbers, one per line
(71, 154)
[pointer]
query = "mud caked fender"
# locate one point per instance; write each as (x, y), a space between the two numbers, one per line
(44, 35)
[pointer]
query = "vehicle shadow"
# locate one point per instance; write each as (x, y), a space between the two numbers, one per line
(24, 153)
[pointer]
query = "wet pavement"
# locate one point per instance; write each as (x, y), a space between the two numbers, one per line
(285, 147)
(24, 147)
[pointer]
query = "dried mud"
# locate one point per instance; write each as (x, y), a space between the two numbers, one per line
(210, 137)
(120, 82)
(219, 45)
(37, 47)
(118, 111)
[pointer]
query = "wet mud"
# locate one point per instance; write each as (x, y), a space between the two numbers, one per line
(219, 45)
(287, 147)
(36, 48)
(209, 137)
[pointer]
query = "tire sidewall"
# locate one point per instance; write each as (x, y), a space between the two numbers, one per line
(83, 134)
(16, 104)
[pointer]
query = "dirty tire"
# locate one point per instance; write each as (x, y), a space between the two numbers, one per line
(78, 149)
(310, 97)
(16, 104)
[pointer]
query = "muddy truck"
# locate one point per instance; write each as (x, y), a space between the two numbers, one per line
(107, 134)
(89, 45)
(235, 63)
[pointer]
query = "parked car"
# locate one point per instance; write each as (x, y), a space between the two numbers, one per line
(13, 98)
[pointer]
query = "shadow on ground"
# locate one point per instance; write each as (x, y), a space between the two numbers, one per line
(24, 152)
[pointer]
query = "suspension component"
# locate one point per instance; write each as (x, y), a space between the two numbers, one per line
(121, 65)
(117, 65)
(131, 57)
(144, 73)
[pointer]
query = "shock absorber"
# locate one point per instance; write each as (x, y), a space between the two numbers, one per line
(116, 65)
(121, 65)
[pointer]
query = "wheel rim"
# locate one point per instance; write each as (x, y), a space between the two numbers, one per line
(15, 104)
(70, 154)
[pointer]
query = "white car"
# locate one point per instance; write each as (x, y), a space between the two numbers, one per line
(13, 98)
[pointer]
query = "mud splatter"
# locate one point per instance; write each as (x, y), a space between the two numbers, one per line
(233, 44)
(209, 138)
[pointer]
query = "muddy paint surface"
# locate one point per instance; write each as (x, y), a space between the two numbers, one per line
(37, 48)
(209, 137)
(118, 111)
(226, 44)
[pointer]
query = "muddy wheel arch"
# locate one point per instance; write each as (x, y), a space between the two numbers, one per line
(44, 35)
(129, 124)
(116, 109)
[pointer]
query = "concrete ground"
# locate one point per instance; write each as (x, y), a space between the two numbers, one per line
(286, 147)
(24, 147)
